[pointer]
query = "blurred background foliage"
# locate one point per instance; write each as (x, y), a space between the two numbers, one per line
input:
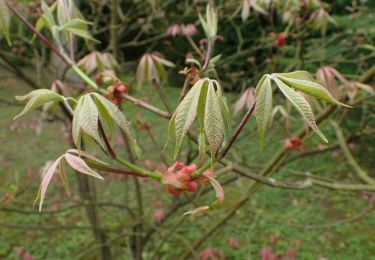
(275, 36)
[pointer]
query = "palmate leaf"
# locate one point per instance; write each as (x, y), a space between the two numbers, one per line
(36, 99)
(92, 107)
(213, 121)
(300, 103)
(206, 101)
(263, 108)
(4, 20)
(304, 82)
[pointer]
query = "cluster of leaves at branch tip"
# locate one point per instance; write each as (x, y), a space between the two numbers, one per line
(63, 17)
(89, 109)
(291, 85)
(205, 100)
(93, 107)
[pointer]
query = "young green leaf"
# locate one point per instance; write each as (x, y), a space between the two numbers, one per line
(118, 117)
(76, 128)
(224, 109)
(301, 105)
(36, 99)
(48, 14)
(263, 108)
(213, 120)
(82, 33)
(88, 119)
(171, 127)
(304, 82)
(62, 12)
(201, 114)
(4, 20)
(186, 113)
(210, 23)
(75, 23)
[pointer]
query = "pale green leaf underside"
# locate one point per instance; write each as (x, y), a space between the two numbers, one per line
(186, 113)
(82, 33)
(263, 108)
(304, 82)
(300, 103)
(36, 99)
(213, 121)
(201, 114)
(88, 119)
(75, 125)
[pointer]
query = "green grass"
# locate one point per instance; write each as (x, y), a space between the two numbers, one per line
(315, 216)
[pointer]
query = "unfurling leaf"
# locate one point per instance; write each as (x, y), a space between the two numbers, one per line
(205, 100)
(75, 162)
(218, 189)
(186, 113)
(219, 198)
(4, 20)
(210, 23)
(263, 106)
(151, 67)
(88, 119)
(213, 121)
(36, 99)
(300, 103)
(198, 211)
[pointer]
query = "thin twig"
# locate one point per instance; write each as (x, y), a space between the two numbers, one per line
(163, 98)
(147, 106)
(238, 130)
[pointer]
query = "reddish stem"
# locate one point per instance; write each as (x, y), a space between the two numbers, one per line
(238, 130)
(106, 141)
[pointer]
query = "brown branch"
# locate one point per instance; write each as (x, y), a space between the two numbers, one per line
(106, 141)
(238, 130)
(147, 106)
(163, 98)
